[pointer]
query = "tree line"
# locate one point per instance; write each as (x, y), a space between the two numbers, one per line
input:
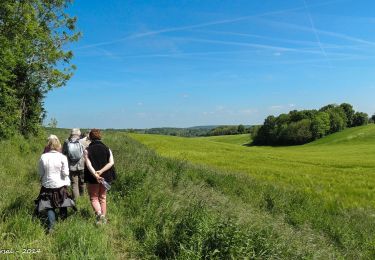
(300, 127)
(34, 60)
(199, 131)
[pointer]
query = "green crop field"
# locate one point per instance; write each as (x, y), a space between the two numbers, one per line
(340, 167)
(215, 199)
(243, 139)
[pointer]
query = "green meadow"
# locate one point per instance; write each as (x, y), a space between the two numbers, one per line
(340, 167)
(204, 198)
(242, 139)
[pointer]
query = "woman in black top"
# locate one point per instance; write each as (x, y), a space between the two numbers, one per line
(98, 174)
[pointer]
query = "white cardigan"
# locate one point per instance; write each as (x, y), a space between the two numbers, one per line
(54, 170)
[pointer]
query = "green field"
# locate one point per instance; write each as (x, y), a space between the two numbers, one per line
(215, 199)
(243, 139)
(340, 167)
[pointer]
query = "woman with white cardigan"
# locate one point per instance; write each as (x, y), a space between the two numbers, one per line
(54, 177)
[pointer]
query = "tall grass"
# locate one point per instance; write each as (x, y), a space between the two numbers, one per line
(170, 209)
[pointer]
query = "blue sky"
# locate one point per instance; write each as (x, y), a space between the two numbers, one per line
(143, 64)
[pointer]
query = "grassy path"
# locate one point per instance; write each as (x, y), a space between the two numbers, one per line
(74, 238)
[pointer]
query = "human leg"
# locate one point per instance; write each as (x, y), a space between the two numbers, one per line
(102, 199)
(81, 182)
(74, 178)
(103, 204)
(51, 214)
(93, 190)
(63, 213)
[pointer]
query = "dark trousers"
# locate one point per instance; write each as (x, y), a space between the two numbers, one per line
(52, 217)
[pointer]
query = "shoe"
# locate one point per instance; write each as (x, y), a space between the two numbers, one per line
(103, 219)
(98, 219)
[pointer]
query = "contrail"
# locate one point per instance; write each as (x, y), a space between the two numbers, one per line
(328, 33)
(264, 37)
(315, 32)
(254, 45)
(225, 21)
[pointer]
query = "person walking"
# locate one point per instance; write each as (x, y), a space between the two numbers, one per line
(73, 148)
(54, 177)
(99, 173)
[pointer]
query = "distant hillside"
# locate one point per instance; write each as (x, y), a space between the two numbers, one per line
(208, 127)
(209, 130)
(351, 136)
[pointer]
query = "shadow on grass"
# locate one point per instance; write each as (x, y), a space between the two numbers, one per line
(16, 205)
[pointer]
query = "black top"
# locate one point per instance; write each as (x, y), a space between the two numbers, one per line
(98, 154)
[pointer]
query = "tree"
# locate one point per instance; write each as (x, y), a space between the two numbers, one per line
(349, 112)
(33, 34)
(360, 118)
(337, 118)
(299, 132)
(267, 132)
(299, 127)
(241, 129)
(327, 107)
(320, 125)
(52, 123)
(373, 118)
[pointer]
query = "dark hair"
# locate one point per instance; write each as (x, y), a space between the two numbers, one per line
(95, 134)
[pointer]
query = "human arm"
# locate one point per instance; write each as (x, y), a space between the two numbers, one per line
(41, 168)
(65, 148)
(89, 166)
(108, 165)
(64, 166)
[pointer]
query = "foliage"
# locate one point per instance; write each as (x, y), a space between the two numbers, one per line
(228, 130)
(33, 34)
(360, 118)
(196, 131)
(186, 132)
(300, 127)
(52, 123)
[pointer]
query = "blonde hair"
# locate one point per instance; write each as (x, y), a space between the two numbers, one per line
(50, 137)
(54, 143)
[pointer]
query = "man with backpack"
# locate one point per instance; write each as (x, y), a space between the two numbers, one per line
(73, 149)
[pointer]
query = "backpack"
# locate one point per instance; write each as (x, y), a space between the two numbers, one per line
(75, 151)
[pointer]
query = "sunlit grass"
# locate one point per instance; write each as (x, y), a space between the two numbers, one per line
(339, 167)
(173, 209)
(243, 139)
